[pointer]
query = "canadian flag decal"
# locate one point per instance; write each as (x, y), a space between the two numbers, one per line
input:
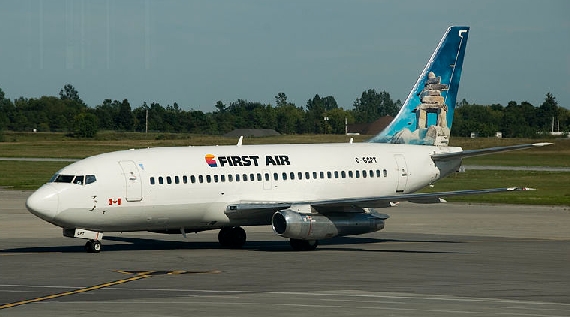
(114, 201)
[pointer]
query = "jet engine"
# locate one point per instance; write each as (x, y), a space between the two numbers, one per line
(294, 225)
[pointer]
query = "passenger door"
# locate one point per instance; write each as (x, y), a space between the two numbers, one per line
(132, 180)
(402, 173)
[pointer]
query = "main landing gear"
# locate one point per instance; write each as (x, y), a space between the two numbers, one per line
(232, 237)
(303, 245)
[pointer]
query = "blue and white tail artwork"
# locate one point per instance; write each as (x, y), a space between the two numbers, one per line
(427, 114)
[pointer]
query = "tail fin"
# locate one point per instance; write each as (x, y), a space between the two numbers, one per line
(427, 113)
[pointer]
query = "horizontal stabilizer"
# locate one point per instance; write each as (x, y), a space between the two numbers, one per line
(469, 153)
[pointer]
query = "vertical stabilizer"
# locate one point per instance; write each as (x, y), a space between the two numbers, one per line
(427, 113)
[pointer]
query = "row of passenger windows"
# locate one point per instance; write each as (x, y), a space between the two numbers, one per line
(260, 177)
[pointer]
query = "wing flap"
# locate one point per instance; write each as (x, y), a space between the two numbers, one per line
(419, 198)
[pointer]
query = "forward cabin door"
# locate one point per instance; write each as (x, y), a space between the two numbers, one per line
(132, 179)
(402, 173)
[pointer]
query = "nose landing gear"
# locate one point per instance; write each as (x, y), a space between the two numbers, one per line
(93, 245)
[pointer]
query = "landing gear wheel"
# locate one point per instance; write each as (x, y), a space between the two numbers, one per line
(93, 246)
(303, 245)
(232, 237)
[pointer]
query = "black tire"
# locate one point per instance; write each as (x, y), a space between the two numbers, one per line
(303, 245)
(93, 246)
(232, 237)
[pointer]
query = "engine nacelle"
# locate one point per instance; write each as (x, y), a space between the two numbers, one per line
(294, 225)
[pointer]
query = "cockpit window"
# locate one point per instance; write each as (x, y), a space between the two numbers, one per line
(90, 179)
(78, 180)
(73, 179)
(64, 178)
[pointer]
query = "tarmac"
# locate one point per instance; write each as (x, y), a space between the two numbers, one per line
(431, 260)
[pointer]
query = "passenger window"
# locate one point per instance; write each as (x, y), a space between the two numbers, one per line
(315, 175)
(185, 179)
(300, 175)
(244, 177)
(252, 177)
(152, 180)
(237, 177)
(208, 178)
(275, 176)
(192, 179)
(371, 173)
(322, 174)
(160, 180)
(335, 174)
(350, 174)
(176, 180)
(267, 177)
(378, 173)
(363, 174)
(329, 175)
(307, 175)
(169, 179)
(343, 174)
(357, 174)
(292, 175)
(230, 177)
(222, 178)
(216, 178)
(284, 176)
(201, 179)
(90, 179)
(385, 173)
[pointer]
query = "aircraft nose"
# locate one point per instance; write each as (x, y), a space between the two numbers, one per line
(44, 202)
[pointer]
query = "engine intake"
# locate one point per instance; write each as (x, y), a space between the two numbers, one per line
(294, 225)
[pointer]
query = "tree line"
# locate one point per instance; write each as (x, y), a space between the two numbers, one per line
(68, 113)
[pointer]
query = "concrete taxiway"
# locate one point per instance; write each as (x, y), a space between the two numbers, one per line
(431, 260)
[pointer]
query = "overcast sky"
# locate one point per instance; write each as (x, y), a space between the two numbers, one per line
(198, 52)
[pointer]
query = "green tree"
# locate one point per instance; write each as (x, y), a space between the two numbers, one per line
(288, 116)
(336, 122)
(85, 125)
(6, 107)
(124, 119)
(518, 119)
(548, 114)
(484, 120)
(372, 105)
(106, 112)
(70, 93)
(315, 121)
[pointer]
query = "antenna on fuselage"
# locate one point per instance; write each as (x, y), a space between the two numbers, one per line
(240, 141)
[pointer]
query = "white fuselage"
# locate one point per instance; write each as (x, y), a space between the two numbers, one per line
(190, 187)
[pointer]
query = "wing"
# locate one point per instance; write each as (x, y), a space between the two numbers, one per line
(261, 212)
(469, 153)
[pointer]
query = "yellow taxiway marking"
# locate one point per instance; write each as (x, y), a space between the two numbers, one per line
(137, 275)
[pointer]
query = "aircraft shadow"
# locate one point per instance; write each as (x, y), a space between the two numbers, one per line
(148, 244)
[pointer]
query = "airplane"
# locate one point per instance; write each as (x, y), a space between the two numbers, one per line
(306, 192)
